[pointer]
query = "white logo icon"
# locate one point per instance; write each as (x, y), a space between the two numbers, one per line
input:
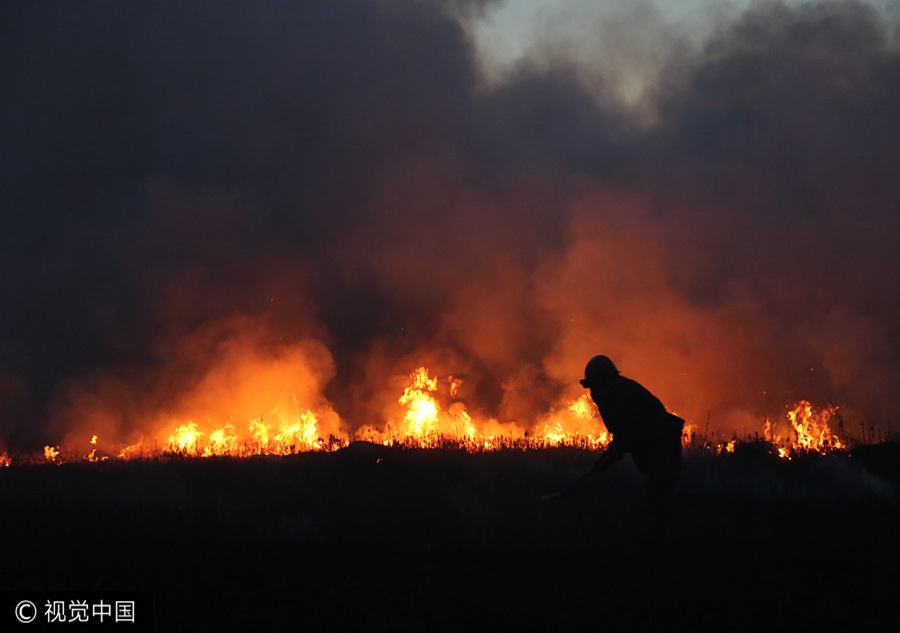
(26, 611)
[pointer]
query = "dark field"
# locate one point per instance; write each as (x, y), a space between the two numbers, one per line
(371, 539)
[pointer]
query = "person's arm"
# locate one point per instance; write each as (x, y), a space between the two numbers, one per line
(606, 460)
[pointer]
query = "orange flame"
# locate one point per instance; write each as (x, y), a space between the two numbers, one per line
(95, 455)
(809, 431)
(575, 423)
(287, 436)
(132, 451)
(431, 414)
(185, 439)
(51, 454)
(422, 409)
(425, 423)
(811, 427)
(688, 433)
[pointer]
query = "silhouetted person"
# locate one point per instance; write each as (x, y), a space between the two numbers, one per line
(640, 425)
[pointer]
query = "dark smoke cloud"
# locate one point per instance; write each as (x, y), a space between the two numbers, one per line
(335, 179)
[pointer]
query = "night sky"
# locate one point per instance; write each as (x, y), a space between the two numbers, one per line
(194, 191)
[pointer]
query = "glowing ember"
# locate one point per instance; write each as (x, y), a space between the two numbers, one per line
(5, 459)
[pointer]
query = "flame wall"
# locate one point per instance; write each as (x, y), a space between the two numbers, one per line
(264, 206)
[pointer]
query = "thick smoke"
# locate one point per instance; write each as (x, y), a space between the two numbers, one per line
(206, 203)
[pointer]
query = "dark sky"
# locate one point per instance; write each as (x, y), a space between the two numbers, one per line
(186, 184)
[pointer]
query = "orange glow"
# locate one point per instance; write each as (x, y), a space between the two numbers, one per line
(132, 451)
(429, 413)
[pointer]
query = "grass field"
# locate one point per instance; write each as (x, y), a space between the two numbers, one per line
(372, 538)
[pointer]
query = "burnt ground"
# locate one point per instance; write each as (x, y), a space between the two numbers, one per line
(371, 539)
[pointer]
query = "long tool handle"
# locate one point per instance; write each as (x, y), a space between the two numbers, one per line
(570, 488)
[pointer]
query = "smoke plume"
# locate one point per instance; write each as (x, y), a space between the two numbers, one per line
(230, 210)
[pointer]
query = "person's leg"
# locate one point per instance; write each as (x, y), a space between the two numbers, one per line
(662, 479)
(660, 487)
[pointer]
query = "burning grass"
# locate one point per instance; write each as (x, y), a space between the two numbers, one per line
(429, 414)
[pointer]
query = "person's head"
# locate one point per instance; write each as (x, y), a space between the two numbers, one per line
(598, 370)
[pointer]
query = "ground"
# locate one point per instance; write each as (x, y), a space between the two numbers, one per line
(371, 538)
